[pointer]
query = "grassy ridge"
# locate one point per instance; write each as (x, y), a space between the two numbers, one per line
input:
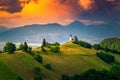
(6, 73)
(73, 59)
(23, 64)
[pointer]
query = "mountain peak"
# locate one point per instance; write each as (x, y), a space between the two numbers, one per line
(76, 23)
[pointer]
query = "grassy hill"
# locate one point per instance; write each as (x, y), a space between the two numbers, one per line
(72, 59)
(6, 73)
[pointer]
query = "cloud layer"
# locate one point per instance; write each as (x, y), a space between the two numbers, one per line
(21, 12)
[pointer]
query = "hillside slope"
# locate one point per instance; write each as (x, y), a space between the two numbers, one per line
(72, 59)
(6, 73)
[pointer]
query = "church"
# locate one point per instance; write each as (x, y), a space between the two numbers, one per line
(71, 38)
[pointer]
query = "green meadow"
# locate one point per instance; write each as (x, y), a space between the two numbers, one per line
(72, 59)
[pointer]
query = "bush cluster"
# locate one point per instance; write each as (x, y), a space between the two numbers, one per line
(105, 57)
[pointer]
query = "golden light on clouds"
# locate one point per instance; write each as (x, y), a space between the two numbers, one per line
(42, 12)
(46, 11)
(86, 4)
(26, 12)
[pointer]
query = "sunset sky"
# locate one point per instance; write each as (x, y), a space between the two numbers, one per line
(15, 13)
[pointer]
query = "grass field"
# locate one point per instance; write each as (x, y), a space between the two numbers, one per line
(6, 73)
(72, 59)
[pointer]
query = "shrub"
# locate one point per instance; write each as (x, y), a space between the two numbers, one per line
(65, 77)
(21, 47)
(19, 78)
(9, 47)
(47, 66)
(37, 70)
(96, 46)
(37, 78)
(29, 49)
(1, 51)
(38, 58)
(106, 57)
(92, 74)
(43, 49)
(85, 44)
(55, 49)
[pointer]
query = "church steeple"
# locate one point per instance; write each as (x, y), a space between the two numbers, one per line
(70, 38)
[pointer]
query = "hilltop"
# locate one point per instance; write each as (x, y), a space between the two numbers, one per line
(72, 59)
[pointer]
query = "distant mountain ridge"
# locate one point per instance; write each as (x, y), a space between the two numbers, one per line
(3, 28)
(56, 32)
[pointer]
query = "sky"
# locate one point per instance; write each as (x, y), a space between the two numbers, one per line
(15, 13)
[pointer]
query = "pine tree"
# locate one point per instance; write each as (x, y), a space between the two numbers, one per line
(25, 47)
(44, 42)
(76, 40)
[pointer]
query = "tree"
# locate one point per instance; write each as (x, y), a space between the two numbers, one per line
(65, 77)
(76, 40)
(55, 49)
(85, 44)
(55, 44)
(47, 66)
(21, 46)
(25, 47)
(1, 51)
(9, 47)
(38, 58)
(19, 78)
(44, 42)
(96, 46)
(111, 45)
(37, 77)
(37, 70)
(29, 49)
(42, 48)
(106, 57)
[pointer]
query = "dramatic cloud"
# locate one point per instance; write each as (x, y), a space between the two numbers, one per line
(61, 11)
(13, 6)
(106, 10)
(86, 4)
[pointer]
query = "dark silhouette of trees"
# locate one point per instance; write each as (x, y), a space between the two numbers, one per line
(92, 74)
(76, 40)
(55, 49)
(25, 47)
(97, 46)
(105, 57)
(29, 49)
(37, 70)
(85, 44)
(111, 45)
(38, 58)
(82, 43)
(19, 78)
(65, 77)
(21, 46)
(44, 42)
(48, 66)
(9, 47)
(37, 77)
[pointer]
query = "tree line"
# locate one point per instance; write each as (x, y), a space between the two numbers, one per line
(93, 74)
(108, 44)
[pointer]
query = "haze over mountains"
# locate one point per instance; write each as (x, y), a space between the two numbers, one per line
(3, 28)
(56, 32)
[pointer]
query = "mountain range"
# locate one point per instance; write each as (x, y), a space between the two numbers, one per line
(55, 32)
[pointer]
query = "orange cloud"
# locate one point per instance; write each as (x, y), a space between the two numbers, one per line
(86, 4)
(44, 11)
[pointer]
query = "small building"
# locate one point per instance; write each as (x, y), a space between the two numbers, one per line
(70, 38)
